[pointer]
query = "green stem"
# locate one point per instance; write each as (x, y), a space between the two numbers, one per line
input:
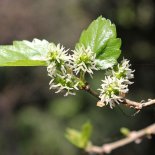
(82, 76)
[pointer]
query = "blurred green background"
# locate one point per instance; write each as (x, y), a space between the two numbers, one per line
(33, 119)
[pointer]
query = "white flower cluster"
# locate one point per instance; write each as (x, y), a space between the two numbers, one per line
(115, 84)
(62, 67)
(64, 82)
(58, 63)
(123, 70)
(83, 59)
(57, 54)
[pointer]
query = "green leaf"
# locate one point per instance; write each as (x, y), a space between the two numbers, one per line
(86, 133)
(24, 53)
(125, 131)
(80, 138)
(74, 137)
(100, 36)
(110, 54)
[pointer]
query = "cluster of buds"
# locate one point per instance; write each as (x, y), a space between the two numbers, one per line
(64, 68)
(83, 60)
(58, 64)
(115, 84)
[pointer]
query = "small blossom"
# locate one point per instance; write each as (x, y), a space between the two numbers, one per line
(122, 70)
(111, 90)
(58, 62)
(61, 80)
(51, 69)
(84, 60)
(58, 54)
(65, 83)
(115, 85)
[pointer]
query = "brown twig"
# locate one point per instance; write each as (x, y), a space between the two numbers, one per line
(137, 105)
(132, 137)
(90, 91)
(131, 104)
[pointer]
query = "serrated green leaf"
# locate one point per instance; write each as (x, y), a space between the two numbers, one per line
(80, 138)
(100, 36)
(24, 53)
(110, 54)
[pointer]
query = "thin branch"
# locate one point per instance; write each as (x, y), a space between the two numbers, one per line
(90, 91)
(131, 104)
(132, 137)
(137, 105)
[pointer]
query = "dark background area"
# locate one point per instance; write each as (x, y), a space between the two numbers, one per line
(33, 119)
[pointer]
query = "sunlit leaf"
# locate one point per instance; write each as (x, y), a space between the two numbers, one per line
(108, 57)
(24, 53)
(100, 36)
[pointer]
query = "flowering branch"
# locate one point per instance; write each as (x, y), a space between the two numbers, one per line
(129, 103)
(67, 72)
(132, 137)
(95, 51)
